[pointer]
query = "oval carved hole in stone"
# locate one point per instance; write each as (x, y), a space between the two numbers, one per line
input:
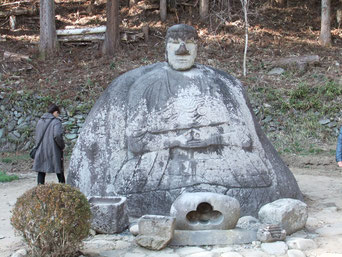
(204, 214)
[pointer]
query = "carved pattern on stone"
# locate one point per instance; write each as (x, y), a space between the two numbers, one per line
(271, 233)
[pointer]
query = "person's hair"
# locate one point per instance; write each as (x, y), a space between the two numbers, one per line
(52, 108)
(182, 31)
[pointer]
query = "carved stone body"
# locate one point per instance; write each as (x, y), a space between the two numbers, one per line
(156, 132)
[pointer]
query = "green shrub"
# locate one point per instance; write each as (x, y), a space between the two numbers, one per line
(7, 178)
(53, 219)
(6, 160)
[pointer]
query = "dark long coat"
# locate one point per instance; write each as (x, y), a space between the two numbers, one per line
(50, 152)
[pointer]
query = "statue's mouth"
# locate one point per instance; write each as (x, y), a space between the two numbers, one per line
(182, 60)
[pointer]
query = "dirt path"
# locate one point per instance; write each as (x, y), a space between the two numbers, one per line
(321, 186)
(9, 192)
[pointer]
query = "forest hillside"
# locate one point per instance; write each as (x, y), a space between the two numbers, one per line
(294, 83)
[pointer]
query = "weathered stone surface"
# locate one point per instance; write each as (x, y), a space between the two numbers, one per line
(155, 232)
(185, 251)
(116, 253)
(254, 253)
(134, 229)
(248, 223)
(166, 252)
(120, 244)
(231, 254)
(330, 255)
(95, 246)
(330, 230)
(150, 169)
(271, 233)
(165, 255)
(276, 71)
(301, 244)
(204, 254)
(204, 210)
(156, 132)
(109, 214)
(276, 248)
(300, 234)
(313, 223)
(222, 249)
(290, 214)
(295, 253)
(212, 237)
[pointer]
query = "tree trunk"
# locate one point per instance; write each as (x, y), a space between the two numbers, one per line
(229, 9)
(325, 37)
(48, 44)
(204, 9)
(244, 4)
(111, 42)
(163, 9)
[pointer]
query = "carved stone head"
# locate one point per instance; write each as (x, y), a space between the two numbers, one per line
(181, 46)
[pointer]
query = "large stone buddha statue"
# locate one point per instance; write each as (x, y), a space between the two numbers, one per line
(173, 127)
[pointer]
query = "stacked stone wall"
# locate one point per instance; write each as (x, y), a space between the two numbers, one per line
(20, 112)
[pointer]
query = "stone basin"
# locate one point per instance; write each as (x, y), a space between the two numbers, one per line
(109, 214)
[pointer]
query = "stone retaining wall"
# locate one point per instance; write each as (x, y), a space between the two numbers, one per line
(20, 113)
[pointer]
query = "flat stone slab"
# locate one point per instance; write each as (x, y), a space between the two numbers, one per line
(212, 237)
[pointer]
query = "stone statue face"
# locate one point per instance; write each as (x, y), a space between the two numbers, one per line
(181, 54)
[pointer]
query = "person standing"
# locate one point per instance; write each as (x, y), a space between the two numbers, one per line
(339, 149)
(49, 155)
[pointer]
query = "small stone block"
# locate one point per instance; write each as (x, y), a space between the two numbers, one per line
(290, 214)
(109, 214)
(155, 231)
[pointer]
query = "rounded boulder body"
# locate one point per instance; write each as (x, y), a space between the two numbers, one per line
(157, 132)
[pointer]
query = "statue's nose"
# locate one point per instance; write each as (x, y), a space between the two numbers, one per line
(182, 50)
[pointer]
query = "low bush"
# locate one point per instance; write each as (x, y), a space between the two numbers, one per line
(53, 219)
(291, 116)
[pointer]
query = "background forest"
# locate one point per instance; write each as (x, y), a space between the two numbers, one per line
(294, 83)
